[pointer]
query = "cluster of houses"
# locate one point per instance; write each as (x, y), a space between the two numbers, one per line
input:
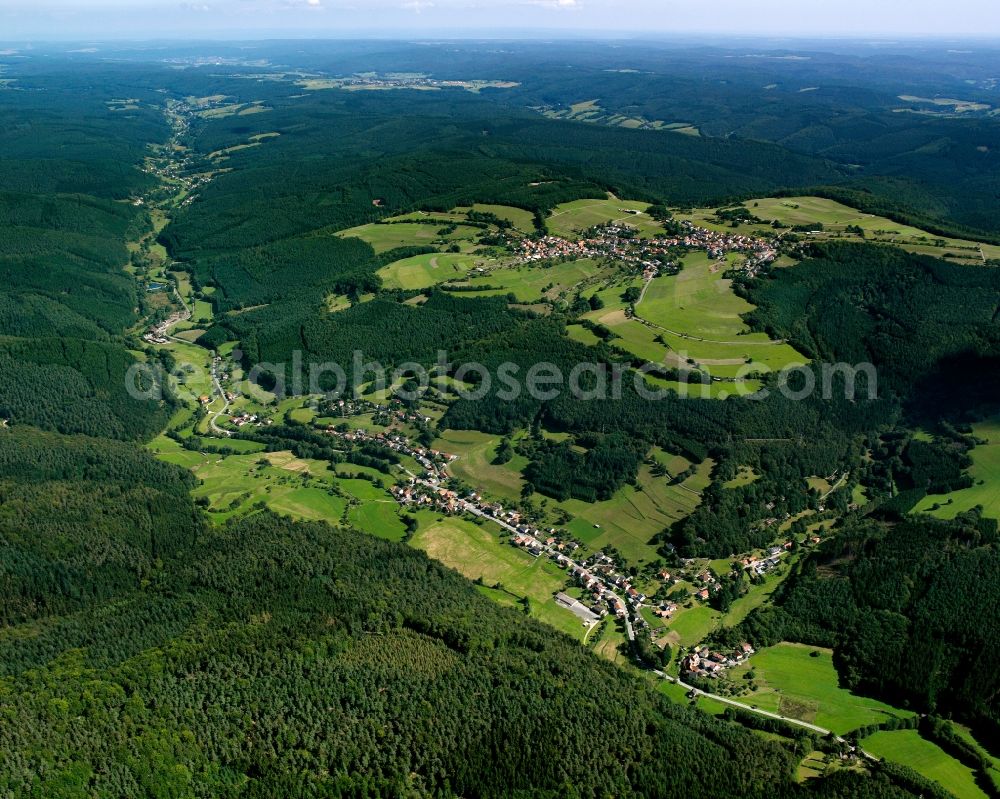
(159, 333)
(245, 418)
(709, 585)
(432, 461)
(759, 252)
(767, 563)
(607, 241)
(620, 242)
(665, 610)
(384, 415)
(704, 662)
(420, 495)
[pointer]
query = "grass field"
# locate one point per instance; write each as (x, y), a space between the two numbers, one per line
(389, 237)
(699, 317)
(476, 452)
(422, 271)
(985, 471)
(569, 220)
(302, 489)
(482, 553)
(523, 220)
(531, 282)
(908, 748)
(835, 217)
(794, 683)
(629, 520)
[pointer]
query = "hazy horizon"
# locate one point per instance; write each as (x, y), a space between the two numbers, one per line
(53, 20)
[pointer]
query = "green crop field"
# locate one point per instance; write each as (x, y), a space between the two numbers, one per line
(908, 748)
(570, 219)
(482, 553)
(985, 471)
(794, 683)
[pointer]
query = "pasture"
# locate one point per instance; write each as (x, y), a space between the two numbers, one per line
(530, 282)
(793, 682)
(480, 552)
(836, 217)
(302, 489)
(388, 237)
(985, 471)
(926, 758)
(629, 520)
(423, 271)
(476, 452)
(571, 219)
(523, 221)
(697, 315)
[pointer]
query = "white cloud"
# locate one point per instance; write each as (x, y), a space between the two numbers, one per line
(559, 5)
(416, 6)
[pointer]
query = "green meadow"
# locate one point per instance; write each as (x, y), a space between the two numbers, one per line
(910, 749)
(571, 219)
(523, 221)
(836, 217)
(530, 282)
(699, 318)
(482, 553)
(985, 471)
(389, 237)
(234, 485)
(422, 271)
(476, 452)
(794, 682)
(633, 516)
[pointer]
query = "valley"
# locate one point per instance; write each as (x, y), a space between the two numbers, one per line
(286, 525)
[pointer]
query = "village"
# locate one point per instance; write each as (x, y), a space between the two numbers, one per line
(620, 242)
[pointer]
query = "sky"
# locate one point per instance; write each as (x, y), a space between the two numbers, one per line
(153, 19)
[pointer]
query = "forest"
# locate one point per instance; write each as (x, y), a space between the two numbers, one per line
(269, 657)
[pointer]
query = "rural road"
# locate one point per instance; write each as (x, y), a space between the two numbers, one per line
(750, 709)
(475, 511)
(214, 418)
